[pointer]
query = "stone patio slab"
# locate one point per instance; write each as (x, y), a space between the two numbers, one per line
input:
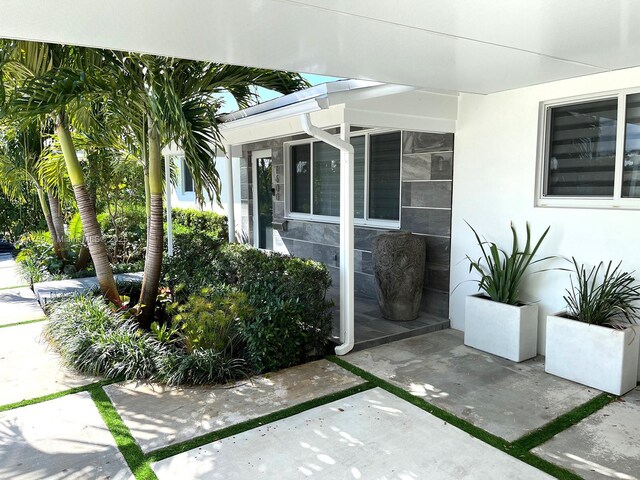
(19, 305)
(370, 435)
(159, 416)
(9, 273)
(29, 368)
(60, 439)
(505, 398)
(47, 291)
(604, 445)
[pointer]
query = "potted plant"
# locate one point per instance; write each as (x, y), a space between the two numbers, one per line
(496, 320)
(592, 342)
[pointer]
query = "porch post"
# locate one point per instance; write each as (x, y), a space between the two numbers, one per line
(228, 180)
(167, 183)
(346, 242)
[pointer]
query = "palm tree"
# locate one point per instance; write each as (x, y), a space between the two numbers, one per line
(62, 88)
(20, 152)
(178, 101)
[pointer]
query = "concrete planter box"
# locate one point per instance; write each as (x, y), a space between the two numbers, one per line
(508, 331)
(599, 357)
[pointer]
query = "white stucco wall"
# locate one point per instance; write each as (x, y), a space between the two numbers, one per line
(494, 181)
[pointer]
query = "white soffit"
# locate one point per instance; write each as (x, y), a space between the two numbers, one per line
(455, 45)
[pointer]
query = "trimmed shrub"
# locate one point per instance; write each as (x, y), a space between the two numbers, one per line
(211, 223)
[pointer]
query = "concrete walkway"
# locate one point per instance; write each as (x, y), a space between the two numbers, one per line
(316, 420)
(9, 273)
(47, 291)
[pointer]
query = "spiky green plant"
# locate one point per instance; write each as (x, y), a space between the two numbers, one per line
(500, 271)
(609, 300)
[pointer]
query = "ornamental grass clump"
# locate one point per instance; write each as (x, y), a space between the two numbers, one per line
(501, 272)
(610, 299)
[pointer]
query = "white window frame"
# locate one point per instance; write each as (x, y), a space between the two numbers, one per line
(544, 136)
(365, 221)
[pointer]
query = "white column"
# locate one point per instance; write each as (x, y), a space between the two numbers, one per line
(346, 241)
(228, 184)
(167, 183)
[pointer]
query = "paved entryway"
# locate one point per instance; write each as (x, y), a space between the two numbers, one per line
(370, 435)
(18, 305)
(604, 445)
(9, 275)
(29, 368)
(505, 398)
(160, 416)
(60, 439)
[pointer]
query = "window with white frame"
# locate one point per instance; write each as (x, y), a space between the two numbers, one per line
(314, 179)
(591, 154)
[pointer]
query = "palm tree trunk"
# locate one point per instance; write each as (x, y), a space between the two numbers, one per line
(49, 219)
(87, 210)
(58, 221)
(155, 229)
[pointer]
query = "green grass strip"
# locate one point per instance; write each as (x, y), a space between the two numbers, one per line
(493, 440)
(563, 422)
(127, 445)
(53, 396)
(172, 450)
(15, 286)
(24, 322)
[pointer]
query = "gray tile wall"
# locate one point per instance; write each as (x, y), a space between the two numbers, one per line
(427, 176)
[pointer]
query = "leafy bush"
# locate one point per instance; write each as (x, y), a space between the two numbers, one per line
(36, 258)
(125, 234)
(95, 340)
(209, 320)
(210, 223)
(606, 301)
(18, 217)
(291, 319)
(501, 272)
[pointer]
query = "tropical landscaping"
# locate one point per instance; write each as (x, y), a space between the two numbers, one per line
(82, 131)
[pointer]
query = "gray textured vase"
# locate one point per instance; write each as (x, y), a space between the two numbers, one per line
(398, 266)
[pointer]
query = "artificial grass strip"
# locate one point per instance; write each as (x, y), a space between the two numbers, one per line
(15, 286)
(24, 322)
(172, 450)
(563, 422)
(53, 396)
(500, 443)
(127, 445)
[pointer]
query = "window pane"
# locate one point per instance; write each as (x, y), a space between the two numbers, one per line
(384, 176)
(358, 176)
(301, 178)
(188, 178)
(582, 149)
(326, 180)
(631, 168)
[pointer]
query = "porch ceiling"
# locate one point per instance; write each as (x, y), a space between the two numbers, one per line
(457, 45)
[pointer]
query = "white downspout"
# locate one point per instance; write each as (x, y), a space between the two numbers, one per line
(167, 183)
(346, 227)
(230, 204)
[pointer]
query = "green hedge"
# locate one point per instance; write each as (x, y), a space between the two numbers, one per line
(211, 223)
(292, 319)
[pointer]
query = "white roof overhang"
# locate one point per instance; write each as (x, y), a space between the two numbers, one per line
(454, 45)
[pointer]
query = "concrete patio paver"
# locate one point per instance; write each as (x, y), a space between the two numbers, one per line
(64, 438)
(370, 435)
(9, 273)
(29, 368)
(159, 416)
(19, 305)
(505, 398)
(604, 445)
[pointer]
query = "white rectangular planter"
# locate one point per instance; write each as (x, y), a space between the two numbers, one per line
(599, 357)
(509, 331)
